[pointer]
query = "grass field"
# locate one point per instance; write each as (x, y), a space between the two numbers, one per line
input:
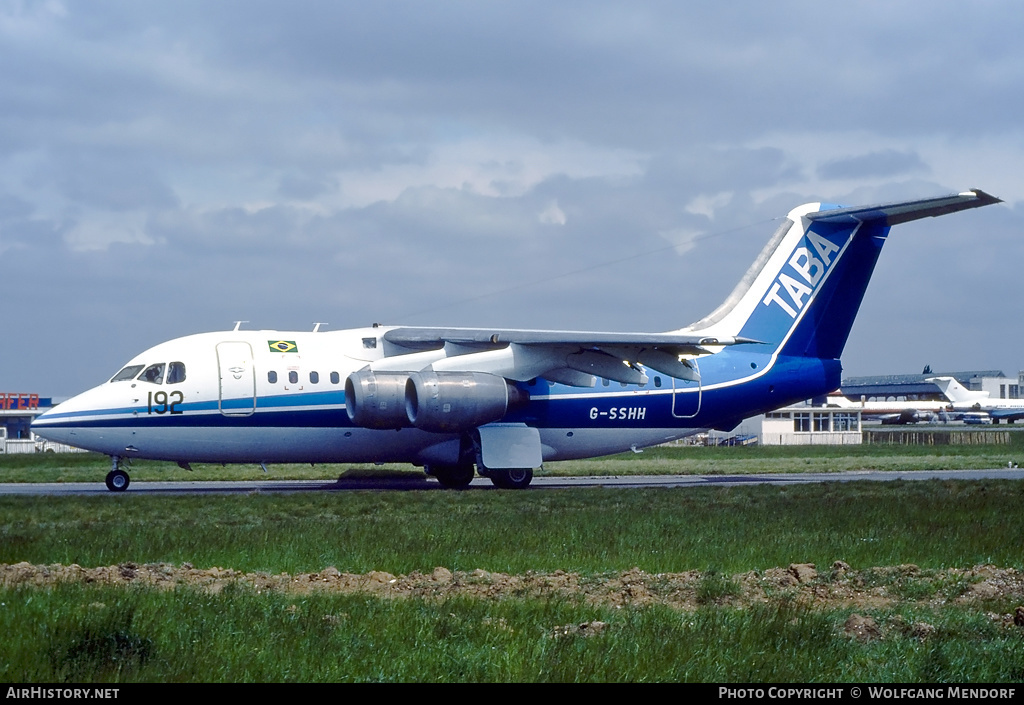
(930, 523)
(83, 632)
(79, 634)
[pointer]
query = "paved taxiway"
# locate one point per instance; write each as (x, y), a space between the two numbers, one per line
(415, 483)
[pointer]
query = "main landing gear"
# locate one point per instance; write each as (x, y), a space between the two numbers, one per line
(453, 477)
(512, 478)
(458, 477)
(117, 479)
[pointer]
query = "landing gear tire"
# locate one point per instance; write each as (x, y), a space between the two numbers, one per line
(512, 479)
(117, 480)
(453, 477)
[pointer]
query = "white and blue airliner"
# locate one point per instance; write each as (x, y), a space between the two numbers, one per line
(498, 402)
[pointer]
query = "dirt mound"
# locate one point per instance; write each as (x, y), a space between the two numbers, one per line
(837, 587)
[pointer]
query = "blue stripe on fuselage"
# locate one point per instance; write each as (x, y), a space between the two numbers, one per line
(738, 378)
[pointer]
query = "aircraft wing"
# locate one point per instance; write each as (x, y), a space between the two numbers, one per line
(427, 338)
(570, 357)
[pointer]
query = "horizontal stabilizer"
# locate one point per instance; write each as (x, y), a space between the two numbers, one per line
(905, 211)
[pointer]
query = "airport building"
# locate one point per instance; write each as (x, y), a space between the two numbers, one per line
(17, 409)
(916, 388)
(822, 422)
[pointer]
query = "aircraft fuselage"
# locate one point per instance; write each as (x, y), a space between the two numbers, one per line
(242, 400)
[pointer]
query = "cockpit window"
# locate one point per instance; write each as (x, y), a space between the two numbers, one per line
(154, 374)
(127, 373)
(176, 373)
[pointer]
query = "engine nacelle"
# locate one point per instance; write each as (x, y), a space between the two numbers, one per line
(376, 399)
(452, 402)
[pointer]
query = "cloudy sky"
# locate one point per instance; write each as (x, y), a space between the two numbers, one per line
(169, 168)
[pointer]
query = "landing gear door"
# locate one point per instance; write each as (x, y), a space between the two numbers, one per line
(686, 396)
(510, 446)
(237, 379)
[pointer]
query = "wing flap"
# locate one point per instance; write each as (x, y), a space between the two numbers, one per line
(570, 357)
(427, 338)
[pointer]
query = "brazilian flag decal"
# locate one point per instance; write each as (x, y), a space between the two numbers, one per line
(283, 346)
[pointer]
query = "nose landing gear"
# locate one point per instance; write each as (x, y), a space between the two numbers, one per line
(117, 479)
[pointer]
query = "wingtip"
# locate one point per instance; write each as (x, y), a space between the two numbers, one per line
(985, 198)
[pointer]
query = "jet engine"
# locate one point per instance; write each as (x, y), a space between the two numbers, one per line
(439, 402)
(376, 399)
(450, 402)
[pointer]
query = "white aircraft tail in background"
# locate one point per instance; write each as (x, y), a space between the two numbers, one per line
(893, 412)
(962, 399)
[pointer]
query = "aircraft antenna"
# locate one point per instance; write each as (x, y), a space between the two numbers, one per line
(238, 325)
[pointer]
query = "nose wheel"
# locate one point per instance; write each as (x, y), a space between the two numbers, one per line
(117, 479)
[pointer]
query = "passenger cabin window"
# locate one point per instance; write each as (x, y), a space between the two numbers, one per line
(293, 377)
(335, 378)
(272, 377)
(176, 373)
(153, 374)
(127, 373)
(314, 377)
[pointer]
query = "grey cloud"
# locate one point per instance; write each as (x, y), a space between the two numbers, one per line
(112, 183)
(304, 186)
(12, 207)
(225, 131)
(886, 163)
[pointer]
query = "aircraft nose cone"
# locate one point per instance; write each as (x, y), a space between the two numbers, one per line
(43, 427)
(60, 423)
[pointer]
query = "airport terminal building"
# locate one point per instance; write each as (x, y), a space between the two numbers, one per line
(916, 388)
(820, 422)
(17, 409)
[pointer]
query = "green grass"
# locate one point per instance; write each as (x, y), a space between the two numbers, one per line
(732, 529)
(715, 587)
(83, 634)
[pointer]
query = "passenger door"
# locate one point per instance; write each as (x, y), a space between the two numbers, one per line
(237, 379)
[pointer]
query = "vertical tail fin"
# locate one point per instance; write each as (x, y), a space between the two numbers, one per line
(804, 290)
(956, 392)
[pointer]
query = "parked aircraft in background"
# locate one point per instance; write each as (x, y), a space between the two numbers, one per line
(964, 400)
(894, 412)
(498, 401)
